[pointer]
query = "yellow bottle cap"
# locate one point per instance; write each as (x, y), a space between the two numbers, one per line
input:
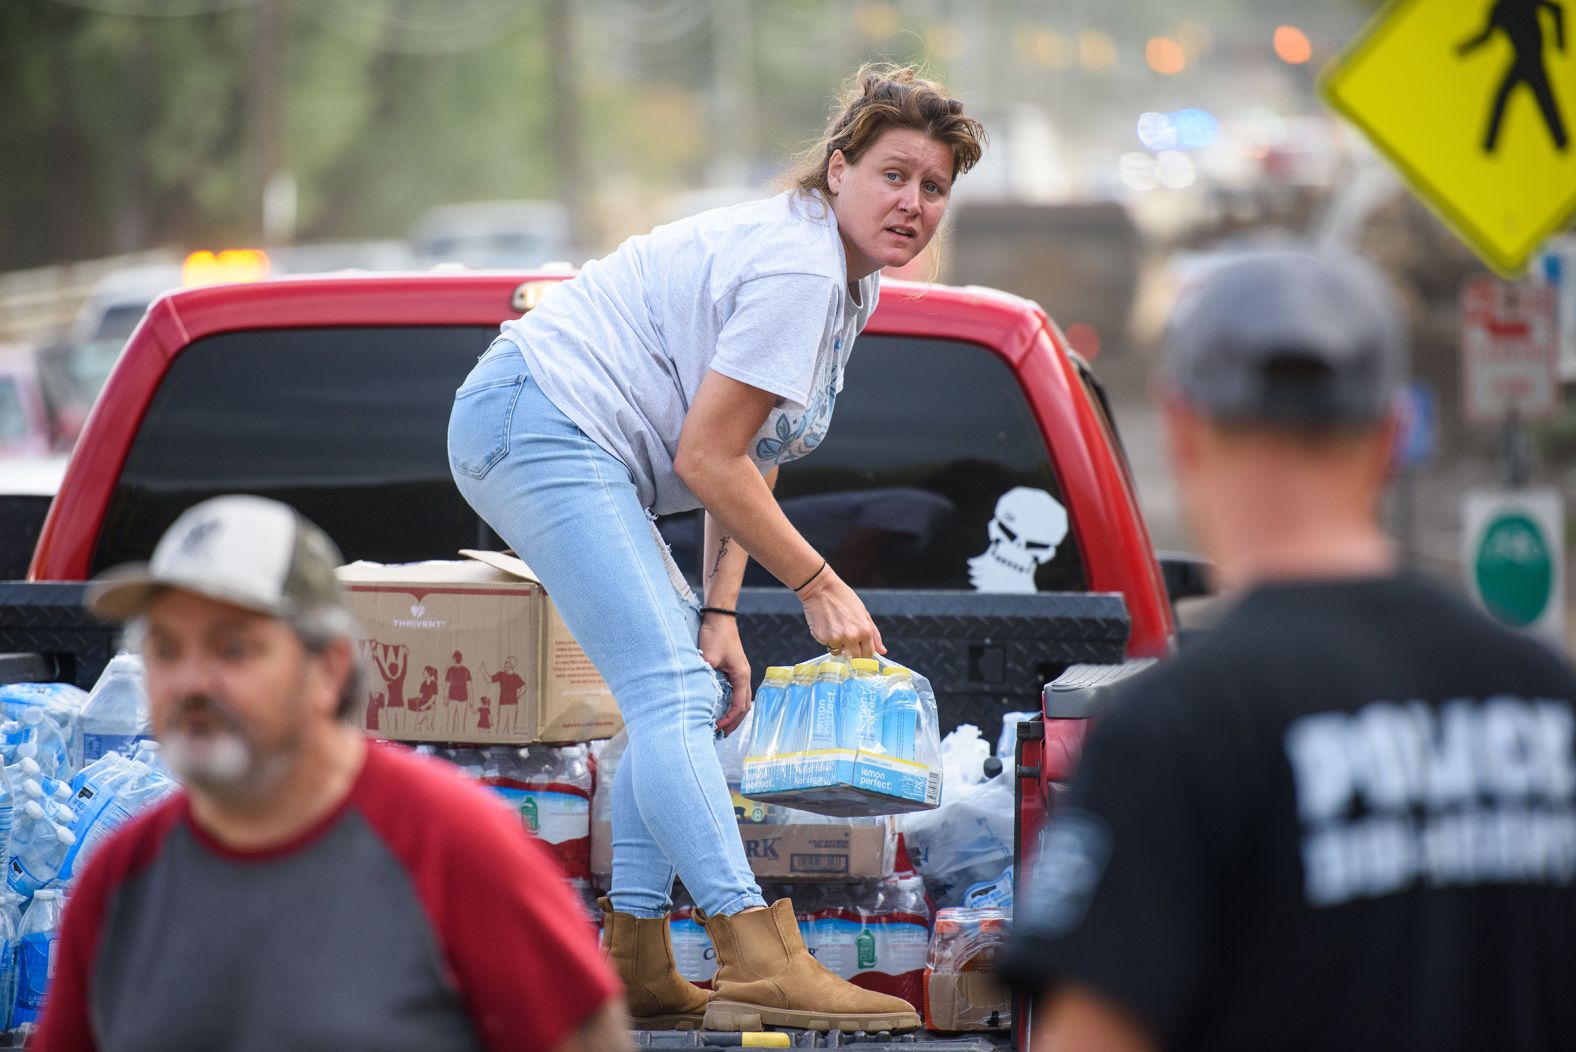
(779, 672)
(832, 670)
(805, 668)
(901, 673)
(866, 665)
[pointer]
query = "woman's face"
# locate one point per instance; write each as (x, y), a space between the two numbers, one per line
(889, 204)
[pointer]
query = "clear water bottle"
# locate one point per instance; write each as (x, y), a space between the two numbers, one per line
(53, 751)
(900, 715)
(41, 838)
(769, 701)
(859, 713)
(36, 953)
(824, 698)
(10, 925)
(115, 709)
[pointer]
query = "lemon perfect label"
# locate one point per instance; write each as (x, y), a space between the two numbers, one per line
(1474, 101)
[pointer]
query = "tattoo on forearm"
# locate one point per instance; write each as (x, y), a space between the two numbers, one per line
(722, 552)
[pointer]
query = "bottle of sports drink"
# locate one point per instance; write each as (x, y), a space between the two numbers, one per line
(899, 714)
(115, 709)
(824, 698)
(793, 733)
(40, 929)
(769, 702)
(859, 712)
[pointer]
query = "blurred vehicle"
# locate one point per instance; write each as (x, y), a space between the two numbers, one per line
(30, 470)
(494, 234)
(118, 301)
(326, 257)
(25, 428)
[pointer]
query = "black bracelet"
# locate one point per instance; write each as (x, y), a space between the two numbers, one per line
(718, 610)
(813, 576)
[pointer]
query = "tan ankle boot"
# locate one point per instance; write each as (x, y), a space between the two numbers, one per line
(766, 977)
(640, 949)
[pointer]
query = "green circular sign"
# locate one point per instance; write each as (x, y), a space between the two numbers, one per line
(1514, 570)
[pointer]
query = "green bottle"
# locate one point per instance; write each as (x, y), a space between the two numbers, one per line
(866, 944)
(528, 814)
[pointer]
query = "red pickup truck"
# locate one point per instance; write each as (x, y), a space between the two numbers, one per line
(973, 487)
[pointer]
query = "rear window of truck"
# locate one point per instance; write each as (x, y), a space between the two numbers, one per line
(934, 474)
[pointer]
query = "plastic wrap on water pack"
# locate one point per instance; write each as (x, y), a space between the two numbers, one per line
(549, 787)
(960, 991)
(844, 738)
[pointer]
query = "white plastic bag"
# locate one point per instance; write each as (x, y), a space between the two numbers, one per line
(963, 849)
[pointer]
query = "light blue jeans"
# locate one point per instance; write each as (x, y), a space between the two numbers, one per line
(570, 510)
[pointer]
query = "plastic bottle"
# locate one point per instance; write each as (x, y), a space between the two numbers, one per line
(117, 791)
(54, 754)
(115, 709)
(793, 733)
(10, 925)
(769, 702)
(40, 929)
(824, 697)
(902, 935)
(41, 838)
(859, 713)
(6, 797)
(550, 789)
(899, 714)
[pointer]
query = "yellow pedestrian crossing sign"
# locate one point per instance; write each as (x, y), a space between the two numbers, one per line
(1475, 102)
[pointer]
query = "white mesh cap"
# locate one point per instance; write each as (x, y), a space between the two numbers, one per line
(250, 551)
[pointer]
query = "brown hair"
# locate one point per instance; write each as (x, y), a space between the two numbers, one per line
(880, 97)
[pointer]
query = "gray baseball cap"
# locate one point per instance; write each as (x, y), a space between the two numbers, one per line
(250, 551)
(1289, 337)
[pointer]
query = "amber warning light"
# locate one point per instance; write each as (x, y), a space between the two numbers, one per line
(233, 264)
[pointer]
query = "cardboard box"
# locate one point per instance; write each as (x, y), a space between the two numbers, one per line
(822, 853)
(819, 853)
(472, 651)
(843, 782)
(959, 1001)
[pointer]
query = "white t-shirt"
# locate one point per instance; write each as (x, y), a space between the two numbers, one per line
(758, 292)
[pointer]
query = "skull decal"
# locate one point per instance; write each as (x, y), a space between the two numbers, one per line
(1027, 527)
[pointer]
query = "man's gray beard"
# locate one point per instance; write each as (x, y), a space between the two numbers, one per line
(224, 764)
(217, 762)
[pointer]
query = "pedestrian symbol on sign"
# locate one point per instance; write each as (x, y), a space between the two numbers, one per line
(1519, 21)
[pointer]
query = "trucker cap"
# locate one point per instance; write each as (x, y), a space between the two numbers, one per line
(250, 551)
(1283, 336)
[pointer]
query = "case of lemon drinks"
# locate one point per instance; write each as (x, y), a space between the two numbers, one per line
(843, 738)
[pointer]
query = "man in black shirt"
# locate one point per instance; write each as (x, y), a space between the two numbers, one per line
(1344, 818)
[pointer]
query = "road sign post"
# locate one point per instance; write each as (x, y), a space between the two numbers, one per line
(1474, 101)
(1513, 558)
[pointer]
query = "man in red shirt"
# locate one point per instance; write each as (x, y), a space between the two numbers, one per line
(509, 685)
(308, 890)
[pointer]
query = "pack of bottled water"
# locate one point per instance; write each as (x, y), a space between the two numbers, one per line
(548, 786)
(844, 738)
(49, 714)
